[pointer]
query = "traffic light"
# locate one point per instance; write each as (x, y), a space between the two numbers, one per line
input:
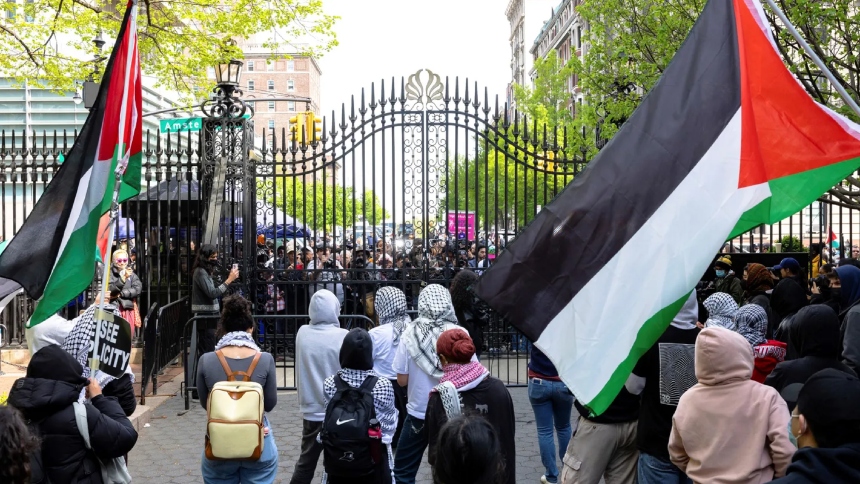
(297, 127)
(547, 165)
(313, 127)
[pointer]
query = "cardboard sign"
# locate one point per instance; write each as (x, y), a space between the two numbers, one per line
(114, 343)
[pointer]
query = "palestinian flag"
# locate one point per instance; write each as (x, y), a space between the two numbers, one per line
(725, 141)
(53, 255)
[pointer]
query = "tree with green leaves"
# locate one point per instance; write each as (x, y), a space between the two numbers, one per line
(49, 41)
(522, 165)
(322, 206)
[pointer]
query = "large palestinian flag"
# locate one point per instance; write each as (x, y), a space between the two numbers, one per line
(726, 140)
(53, 254)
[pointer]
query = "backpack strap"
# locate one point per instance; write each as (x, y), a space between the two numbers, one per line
(368, 384)
(231, 375)
(340, 385)
(81, 421)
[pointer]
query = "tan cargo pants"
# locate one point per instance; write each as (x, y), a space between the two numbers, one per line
(601, 450)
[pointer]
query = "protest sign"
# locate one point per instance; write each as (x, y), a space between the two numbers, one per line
(114, 343)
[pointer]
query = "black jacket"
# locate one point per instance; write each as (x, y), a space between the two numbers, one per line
(45, 397)
(762, 299)
(814, 334)
(128, 290)
(824, 466)
(490, 399)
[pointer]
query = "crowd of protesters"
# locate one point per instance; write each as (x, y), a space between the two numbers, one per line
(748, 385)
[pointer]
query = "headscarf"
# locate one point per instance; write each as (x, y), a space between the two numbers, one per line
(390, 305)
(356, 352)
(849, 277)
(758, 279)
(434, 312)
(721, 310)
(752, 324)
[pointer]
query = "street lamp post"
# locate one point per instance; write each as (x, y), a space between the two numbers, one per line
(89, 89)
(226, 101)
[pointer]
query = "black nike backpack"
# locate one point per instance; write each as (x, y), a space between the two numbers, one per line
(349, 450)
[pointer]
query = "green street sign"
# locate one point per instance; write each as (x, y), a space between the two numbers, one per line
(176, 125)
(181, 125)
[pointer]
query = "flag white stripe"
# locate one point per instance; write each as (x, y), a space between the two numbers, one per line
(595, 332)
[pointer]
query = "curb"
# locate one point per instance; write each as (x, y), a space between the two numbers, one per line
(143, 414)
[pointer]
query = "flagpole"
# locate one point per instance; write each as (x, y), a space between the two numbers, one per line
(817, 60)
(114, 212)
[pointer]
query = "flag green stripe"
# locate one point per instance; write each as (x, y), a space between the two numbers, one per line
(790, 194)
(650, 331)
(76, 263)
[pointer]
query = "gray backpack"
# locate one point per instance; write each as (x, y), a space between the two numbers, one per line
(114, 471)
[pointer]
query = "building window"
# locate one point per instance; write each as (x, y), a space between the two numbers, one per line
(270, 66)
(271, 105)
(270, 85)
(291, 85)
(250, 66)
(251, 103)
(10, 9)
(250, 84)
(271, 124)
(579, 37)
(291, 106)
(291, 66)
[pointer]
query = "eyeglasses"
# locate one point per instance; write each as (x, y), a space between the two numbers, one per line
(121, 261)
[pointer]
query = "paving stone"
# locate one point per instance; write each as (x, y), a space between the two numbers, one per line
(170, 449)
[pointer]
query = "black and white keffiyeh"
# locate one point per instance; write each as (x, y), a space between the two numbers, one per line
(752, 324)
(237, 338)
(721, 310)
(383, 403)
(79, 340)
(390, 305)
(435, 311)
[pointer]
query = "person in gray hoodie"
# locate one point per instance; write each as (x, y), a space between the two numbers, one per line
(317, 357)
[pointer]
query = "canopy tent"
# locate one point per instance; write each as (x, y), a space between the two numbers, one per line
(275, 224)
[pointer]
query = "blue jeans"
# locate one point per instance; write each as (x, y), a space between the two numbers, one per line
(262, 471)
(552, 404)
(410, 450)
(658, 471)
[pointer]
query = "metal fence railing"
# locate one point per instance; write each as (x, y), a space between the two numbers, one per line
(162, 341)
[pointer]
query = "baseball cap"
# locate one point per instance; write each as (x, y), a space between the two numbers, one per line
(830, 396)
(787, 263)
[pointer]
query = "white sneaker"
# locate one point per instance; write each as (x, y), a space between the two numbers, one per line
(543, 480)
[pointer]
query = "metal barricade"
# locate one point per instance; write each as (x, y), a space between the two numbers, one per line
(162, 342)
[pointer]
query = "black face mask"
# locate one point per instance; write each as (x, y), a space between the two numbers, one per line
(836, 293)
(744, 285)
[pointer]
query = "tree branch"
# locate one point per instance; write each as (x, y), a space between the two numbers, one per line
(23, 44)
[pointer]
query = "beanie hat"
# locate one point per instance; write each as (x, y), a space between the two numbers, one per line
(724, 262)
(456, 345)
(356, 352)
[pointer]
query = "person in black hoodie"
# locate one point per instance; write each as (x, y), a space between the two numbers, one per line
(787, 299)
(471, 312)
(826, 424)
(45, 397)
(815, 337)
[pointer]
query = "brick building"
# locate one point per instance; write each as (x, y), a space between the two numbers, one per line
(563, 33)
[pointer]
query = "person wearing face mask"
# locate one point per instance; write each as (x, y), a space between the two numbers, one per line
(826, 427)
(125, 287)
(849, 276)
(726, 280)
(815, 338)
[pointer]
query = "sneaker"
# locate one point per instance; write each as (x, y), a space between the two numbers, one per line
(543, 480)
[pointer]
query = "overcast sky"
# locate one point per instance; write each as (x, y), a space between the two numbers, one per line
(384, 38)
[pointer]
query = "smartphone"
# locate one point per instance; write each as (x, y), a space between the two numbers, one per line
(235, 266)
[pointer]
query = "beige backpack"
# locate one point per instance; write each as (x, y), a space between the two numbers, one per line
(234, 430)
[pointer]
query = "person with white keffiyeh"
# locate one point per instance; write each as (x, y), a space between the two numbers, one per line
(419, 369)
(721, 310)
(390, 307)
(77, 343)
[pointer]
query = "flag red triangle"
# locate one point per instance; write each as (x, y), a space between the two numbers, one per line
(784, 130)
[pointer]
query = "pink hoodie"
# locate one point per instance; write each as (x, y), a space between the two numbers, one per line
(728, 428)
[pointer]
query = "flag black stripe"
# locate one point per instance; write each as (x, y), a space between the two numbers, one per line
(593, 218)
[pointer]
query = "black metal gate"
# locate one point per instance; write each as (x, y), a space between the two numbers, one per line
(409, 184)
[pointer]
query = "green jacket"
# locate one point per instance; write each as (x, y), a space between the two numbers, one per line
(730, 285)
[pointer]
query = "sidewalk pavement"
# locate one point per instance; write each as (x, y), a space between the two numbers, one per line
(170, 447)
